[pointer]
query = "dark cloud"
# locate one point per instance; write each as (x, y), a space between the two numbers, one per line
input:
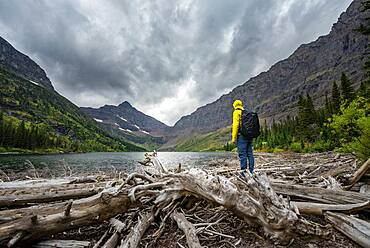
(165, 57)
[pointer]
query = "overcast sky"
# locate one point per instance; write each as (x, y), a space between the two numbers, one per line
(166, 58)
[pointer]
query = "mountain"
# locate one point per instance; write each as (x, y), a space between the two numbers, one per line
(127, 122)
(20, 64)
(31, 110)
(312, 69)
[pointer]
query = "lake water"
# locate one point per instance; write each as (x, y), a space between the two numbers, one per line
(94, 162)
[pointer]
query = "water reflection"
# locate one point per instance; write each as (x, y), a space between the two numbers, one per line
(93, 162)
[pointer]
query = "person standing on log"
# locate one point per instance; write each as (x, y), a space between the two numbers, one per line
(244, 144)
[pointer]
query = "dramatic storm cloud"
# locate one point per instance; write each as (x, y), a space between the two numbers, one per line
(165, 57)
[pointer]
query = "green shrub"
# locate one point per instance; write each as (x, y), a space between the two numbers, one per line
(320, 146)
(277, 150)
(352, 127)
(296, 147)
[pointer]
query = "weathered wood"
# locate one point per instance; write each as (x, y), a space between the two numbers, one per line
(319, 194)
(97, 244)
(319, 208)
(19, 200)
(85, 211)
(68, 208)
(333, 184)
(365, 189)
(46, 182)
(112, 241)
(49, 189)
(356, 229)
(87, 179)
(6, 219)
(133, 238)
(16, 238)
(359, 173)
(188, 229)
(55, 243)
(252, 200)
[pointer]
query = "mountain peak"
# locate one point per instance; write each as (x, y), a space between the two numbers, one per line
(125, 104)
(20, 64)
(127, 117)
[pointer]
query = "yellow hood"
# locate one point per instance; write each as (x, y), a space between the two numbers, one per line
(238, 104)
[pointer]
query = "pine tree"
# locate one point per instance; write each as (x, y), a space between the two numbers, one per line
(303, 121)
(347, 90)
(20, 135)
(2, 126)
(335, 98)
(328, 107)
(9, 133)
(33, 137)
(310, 110)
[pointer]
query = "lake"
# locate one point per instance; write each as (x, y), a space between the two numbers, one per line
(107, 162)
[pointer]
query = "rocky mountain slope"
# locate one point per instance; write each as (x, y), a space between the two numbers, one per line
(20, 64)
(27, 95)
(126, 121)
(312, 68)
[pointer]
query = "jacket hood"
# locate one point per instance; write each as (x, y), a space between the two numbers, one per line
(238, 104)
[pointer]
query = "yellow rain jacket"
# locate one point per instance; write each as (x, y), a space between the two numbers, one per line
(237, 114)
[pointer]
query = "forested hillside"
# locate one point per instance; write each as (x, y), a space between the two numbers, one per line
(35, 118)
(343, 123)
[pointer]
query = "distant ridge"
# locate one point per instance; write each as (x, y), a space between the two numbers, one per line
(127, 122)
(128, 118)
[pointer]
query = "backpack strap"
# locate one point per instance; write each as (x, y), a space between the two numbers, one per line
(240, 120)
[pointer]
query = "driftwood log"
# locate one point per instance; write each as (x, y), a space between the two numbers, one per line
(328, 196)
(188, 229)
(62, 244)
(356, 229)
(49, 219)
(359, 173)
(24, 199)
(311, 208)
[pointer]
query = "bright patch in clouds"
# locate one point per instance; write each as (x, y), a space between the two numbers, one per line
(182, 101)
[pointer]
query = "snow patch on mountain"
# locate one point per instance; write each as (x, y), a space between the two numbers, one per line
(125, 130)
(122, 118)
(34, 83)
(98, 120)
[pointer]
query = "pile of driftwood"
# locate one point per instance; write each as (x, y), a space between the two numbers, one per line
(279, 199)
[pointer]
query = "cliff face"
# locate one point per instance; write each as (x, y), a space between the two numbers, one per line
(312, 68)
(16, 62)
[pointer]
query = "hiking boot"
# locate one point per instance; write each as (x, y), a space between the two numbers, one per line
(242, 175)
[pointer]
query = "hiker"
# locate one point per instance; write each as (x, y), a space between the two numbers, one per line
(244, 144)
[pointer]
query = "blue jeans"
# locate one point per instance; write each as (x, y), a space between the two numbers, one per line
(245, 151)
